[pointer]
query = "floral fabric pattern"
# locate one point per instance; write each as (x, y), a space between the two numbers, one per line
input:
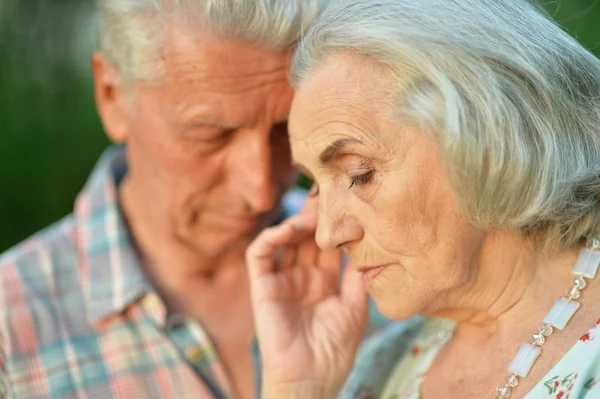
(393, 363)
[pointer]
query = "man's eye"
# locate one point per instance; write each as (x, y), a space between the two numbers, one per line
(221, 136)
(208, 135)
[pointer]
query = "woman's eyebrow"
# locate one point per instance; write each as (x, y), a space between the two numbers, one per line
(334, 150)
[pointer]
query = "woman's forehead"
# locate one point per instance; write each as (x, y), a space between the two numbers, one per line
(339, 94)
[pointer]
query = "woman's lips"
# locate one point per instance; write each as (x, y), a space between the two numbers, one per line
(369, 273)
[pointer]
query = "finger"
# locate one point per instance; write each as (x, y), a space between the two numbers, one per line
(303, 221)
(353, 290)
(260, 254)
(305, 226)
(308, 252)
(314, 191)
(287, 257)
(330, 261)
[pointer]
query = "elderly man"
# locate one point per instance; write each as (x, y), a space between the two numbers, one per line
(142, 292)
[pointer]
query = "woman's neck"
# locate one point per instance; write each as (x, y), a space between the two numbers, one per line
(502, 307)
(512, 287)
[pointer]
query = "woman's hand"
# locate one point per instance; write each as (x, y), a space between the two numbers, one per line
(308, 326)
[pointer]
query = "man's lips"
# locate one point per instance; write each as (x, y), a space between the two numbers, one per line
(237, 221)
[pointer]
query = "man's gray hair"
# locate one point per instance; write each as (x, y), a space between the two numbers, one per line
(133, 31)
(513, 101)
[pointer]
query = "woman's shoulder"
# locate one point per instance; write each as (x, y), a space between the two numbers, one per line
(379, 354)
(577, 374)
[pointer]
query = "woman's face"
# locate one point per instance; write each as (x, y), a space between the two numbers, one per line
(383, 193)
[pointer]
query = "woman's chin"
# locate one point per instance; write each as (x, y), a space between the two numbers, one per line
(392, 309)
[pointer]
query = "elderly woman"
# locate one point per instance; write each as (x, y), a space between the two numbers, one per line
(455, 145)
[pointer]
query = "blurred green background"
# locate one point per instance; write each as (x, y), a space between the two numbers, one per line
(50, 135)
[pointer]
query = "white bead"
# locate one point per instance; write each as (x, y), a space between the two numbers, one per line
(579, 282)
(587, 263)
(558, 317)
(546, 329)
(538, 339)
(504, 392)
(523, 362)
(573, 293)
(592, 242)
(561, 313)
(512, 380)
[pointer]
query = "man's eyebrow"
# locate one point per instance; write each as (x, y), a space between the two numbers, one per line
(334, 150)
(224, 124)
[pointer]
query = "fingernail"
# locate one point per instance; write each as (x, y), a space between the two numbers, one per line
(297, 227)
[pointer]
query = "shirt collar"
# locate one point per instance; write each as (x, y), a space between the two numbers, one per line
(111, 270)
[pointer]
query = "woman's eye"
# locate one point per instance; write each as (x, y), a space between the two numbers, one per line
(362, 179)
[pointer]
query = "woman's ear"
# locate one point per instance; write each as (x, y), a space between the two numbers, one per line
(111, 98)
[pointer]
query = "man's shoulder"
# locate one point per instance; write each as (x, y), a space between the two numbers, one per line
(56, 239)
(35, 269)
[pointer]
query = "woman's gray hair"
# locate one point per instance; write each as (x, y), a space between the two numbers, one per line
(513, 101)
(133, 31)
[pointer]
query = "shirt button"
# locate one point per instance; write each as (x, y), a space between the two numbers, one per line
(193, 353)
(175, 320)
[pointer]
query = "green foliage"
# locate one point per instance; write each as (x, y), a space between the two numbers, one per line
(50, 135)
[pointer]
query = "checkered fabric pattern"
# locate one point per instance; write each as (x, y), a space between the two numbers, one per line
(78, 319)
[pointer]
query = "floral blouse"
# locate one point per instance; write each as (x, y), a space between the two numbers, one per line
(393, 363)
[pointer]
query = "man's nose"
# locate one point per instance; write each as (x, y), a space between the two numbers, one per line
(253, 172)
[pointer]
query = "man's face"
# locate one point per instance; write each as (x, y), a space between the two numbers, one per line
(208, 147)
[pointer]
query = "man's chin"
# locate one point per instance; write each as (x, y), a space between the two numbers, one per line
(215, 241)
(218, 233)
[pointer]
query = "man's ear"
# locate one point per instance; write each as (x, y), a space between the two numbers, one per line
(111, 98)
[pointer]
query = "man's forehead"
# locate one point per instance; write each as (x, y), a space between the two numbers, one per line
(218, 65)
(221, 54)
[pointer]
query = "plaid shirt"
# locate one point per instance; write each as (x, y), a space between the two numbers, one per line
(78, 318)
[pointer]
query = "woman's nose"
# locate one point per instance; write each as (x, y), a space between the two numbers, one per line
(337, 225)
